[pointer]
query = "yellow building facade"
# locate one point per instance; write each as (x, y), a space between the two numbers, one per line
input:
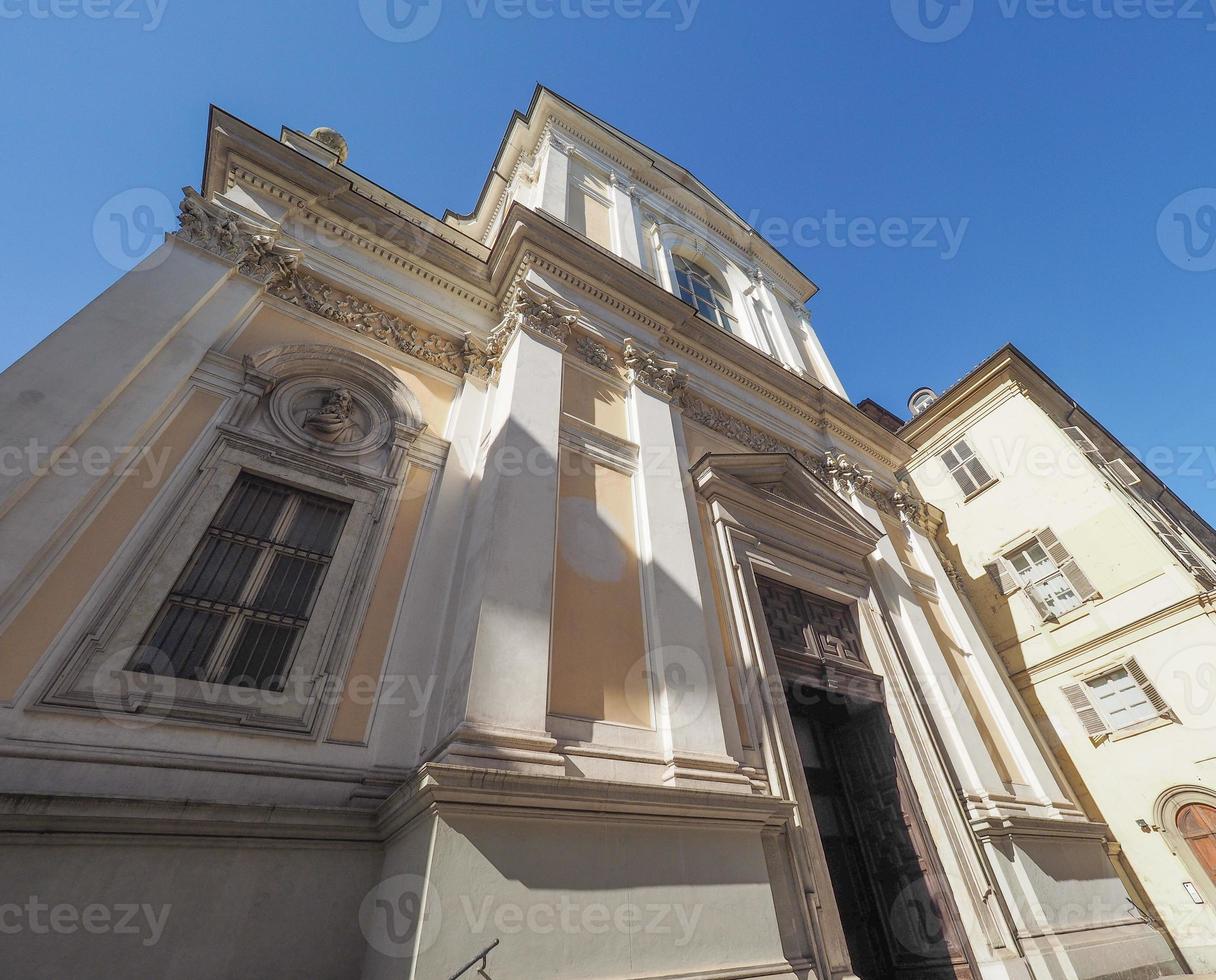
(1095, 586)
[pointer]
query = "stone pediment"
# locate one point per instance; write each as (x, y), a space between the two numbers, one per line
(768, 483)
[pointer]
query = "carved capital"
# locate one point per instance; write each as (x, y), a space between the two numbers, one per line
(255, 249)
(595, 354)
(651, 372)
(845, 476)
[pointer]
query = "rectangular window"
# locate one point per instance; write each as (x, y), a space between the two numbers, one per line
(1043, 580)
(968, 472)
(1120, 701)
(238, 610)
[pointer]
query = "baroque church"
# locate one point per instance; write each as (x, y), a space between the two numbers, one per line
(516, 594)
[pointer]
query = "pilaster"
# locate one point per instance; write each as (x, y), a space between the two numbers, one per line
(687, 683)
(502, 623)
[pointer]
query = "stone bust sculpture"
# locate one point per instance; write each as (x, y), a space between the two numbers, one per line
(334, 421)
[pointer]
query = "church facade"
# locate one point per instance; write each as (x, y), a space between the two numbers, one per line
(517, 592)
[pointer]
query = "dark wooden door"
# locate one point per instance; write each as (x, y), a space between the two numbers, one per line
(920, 920)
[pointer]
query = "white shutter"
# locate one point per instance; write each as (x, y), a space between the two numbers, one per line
(1068, 565)
(1003, 576)
(1150, 691)
(1082, 441)
(1124, 473)
(1091, 720)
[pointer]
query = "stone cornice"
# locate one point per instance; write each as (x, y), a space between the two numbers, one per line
(259, 252)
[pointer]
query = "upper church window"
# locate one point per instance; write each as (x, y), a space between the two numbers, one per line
(701, 289)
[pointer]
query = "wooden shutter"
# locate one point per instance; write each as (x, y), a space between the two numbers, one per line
(1150, 691)
(1068, 565)
(1003, 576)
(1091, 720)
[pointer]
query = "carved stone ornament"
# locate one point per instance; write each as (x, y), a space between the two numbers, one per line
(595, 354)
(909, 507)
(316, 296)
(338, 418)
(527, 307)
(253, 248)
(257, 251)
(650, 371)
(846, 476)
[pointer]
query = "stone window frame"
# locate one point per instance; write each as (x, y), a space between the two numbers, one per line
(96, 674)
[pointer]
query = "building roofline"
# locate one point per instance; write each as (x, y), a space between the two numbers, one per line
(942, 411)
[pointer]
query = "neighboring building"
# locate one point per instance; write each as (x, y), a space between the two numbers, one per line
(1096, 586)
(523, 577)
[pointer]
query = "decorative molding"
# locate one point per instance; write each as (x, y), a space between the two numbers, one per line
(651, 372)
(528, 308)
(313, 294)
(834, 468)
(595, 354)
(253, 248)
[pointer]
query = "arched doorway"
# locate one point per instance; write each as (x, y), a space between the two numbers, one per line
(1197, 825)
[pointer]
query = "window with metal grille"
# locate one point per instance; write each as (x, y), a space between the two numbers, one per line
(238, 610)
(969, 473)
(700, 289)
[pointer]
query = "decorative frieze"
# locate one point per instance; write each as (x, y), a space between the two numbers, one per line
(258, 252)
(833, 468)
(653, 373)
(595, 354)
(313, 294)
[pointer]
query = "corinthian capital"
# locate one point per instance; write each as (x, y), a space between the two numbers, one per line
(254, 248)
(650, 371)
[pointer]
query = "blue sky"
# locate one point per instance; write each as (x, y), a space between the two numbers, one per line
(1048, 157)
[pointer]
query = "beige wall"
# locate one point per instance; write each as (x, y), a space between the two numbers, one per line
(599, 646)
(30, 633)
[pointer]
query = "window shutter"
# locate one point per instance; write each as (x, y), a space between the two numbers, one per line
(1150, 691)
(1003, 576)
(1124, 473)
(1068, 565)
(1082, 441)
(1092, 722)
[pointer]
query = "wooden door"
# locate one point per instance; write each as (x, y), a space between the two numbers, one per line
(1197, 823)
(921, 921)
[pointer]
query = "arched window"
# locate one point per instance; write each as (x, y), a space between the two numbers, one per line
(701, 289)
(1197, 823)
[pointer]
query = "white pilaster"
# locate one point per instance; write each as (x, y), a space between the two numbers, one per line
(688, 685)
(497, 692)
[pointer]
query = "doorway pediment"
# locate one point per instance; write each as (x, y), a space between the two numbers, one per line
(756, 489)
